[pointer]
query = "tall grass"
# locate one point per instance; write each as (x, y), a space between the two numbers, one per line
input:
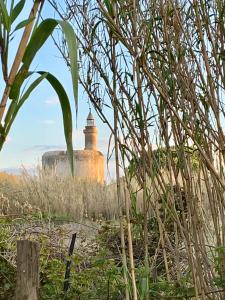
(159, 66)
(48, 193)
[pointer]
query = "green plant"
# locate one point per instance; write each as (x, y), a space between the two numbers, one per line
(219, 256)
(7, 279)
(159, 66)
(7, 269)
(33, 38)
(95, 274)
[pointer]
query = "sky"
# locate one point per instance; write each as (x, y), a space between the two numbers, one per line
(38, 127)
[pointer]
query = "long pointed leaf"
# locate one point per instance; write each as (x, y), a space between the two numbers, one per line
(67, 115)
(37, 40)
(65, 106)
(16, 105)
(40, 35)
(5, 16)
(20, 77)
(23, 23)
(72, 50)
(11, 9)
(17, 10)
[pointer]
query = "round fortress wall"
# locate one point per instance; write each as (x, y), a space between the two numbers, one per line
(88, 164)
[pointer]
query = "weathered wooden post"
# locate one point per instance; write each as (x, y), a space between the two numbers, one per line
(68, 264)
(27, 287)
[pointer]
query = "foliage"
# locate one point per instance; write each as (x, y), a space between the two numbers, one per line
(7, 270)
(159, 67)
(96, 272)
(7, 279)
(33, 38)
(219, 256)
(92, 277)
(179, 155)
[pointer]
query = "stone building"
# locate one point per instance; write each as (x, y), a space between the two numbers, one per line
(88, 163)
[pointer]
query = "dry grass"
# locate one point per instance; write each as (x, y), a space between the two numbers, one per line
(48, 193)
(9, 177)
(65, 196)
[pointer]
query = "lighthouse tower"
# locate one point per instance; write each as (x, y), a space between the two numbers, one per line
(90, 133)
(88, 163)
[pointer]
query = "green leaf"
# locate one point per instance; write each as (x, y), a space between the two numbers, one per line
(108, 6)
(11, 9)
(16, 105)
(37, 40)
(5, 16)
(144, 287)
(17, 10)
(20, 77)
(93, 32)
(65, 106)
(72, 51)
(39, 37)
(23, 23)
(67, 115)
(9, 115)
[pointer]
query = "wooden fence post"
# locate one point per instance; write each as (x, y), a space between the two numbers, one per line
(68, 264)
(27, 286)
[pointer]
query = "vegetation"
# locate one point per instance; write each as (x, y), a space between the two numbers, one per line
(157, 69)
(38, 208)
(48, 194)
(96, 264)
(34, 36)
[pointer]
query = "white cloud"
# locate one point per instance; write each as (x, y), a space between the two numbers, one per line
(42, 148)
(52, 101)
(47, 122)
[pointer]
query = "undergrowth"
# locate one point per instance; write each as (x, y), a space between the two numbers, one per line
(53, 195)
(96, 271)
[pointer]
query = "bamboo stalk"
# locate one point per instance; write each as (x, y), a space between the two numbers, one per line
(19, 56)
(162, 70)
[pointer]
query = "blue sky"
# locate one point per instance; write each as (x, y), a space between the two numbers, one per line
(38, 127)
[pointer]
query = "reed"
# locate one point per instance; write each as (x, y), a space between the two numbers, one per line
(169, 95)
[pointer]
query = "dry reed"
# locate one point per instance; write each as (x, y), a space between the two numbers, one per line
(48, 193)
(170, 89)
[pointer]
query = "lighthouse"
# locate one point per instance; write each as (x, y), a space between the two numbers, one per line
(91, 133)
(88, 163)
